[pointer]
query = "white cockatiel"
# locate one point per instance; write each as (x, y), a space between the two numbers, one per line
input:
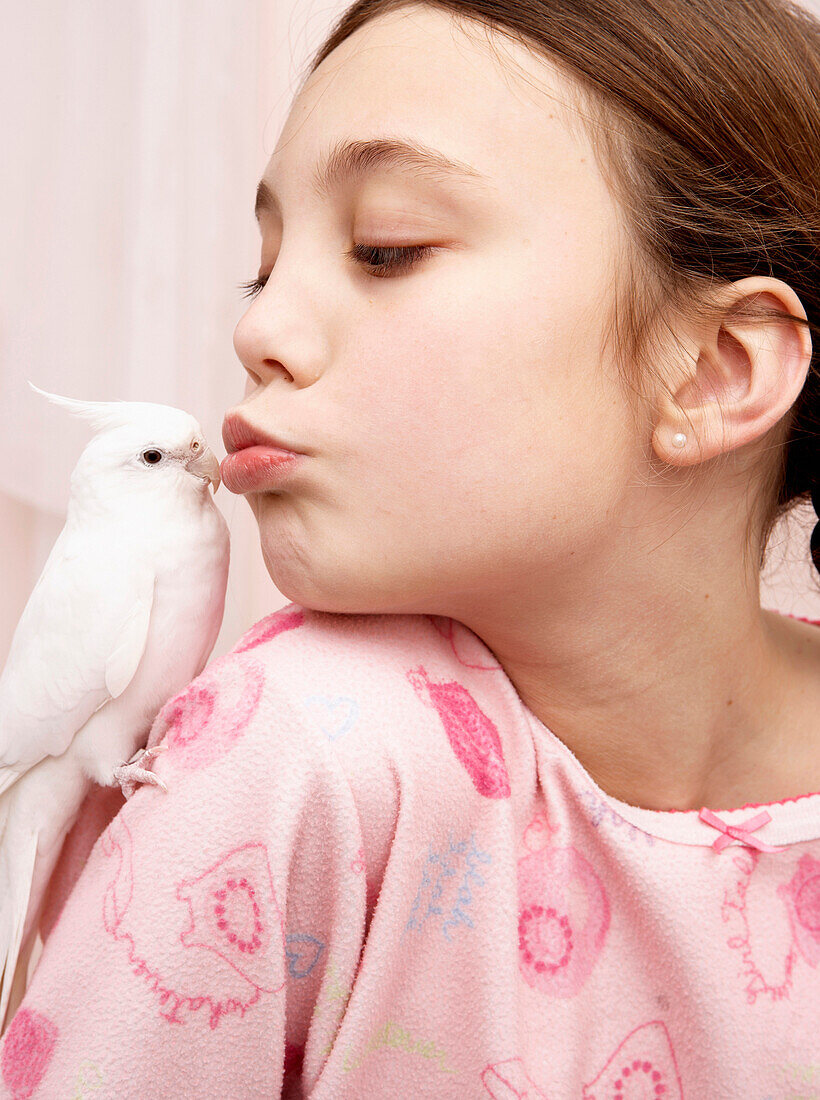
(126, 613)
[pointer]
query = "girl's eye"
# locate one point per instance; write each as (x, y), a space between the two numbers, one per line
(380, 261)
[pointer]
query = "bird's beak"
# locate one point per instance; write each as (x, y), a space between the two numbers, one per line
(203, 464)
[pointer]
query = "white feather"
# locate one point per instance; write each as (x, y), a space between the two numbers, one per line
(124, 615)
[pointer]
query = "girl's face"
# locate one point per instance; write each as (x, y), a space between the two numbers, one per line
(466, 439)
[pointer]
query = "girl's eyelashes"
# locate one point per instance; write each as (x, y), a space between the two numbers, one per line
(380, 261)
(252, 288)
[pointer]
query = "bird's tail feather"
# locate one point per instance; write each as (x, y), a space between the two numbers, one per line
(7, 777)
(16, 873)
(20, 981)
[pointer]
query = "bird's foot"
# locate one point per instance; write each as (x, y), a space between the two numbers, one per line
(131, 775)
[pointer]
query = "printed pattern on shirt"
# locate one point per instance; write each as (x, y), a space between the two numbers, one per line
(229, 911)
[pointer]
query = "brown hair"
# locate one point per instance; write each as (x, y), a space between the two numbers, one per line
(705, 117)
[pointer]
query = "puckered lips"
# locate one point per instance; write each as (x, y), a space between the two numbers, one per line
(256, 460)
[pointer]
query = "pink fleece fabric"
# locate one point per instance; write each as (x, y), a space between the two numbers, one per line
(376, 874)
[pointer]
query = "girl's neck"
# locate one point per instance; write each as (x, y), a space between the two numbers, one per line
(707, 721)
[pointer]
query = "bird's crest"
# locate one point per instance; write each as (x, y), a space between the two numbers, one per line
(100, 414)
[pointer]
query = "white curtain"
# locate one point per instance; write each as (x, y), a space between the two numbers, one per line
(133, 137)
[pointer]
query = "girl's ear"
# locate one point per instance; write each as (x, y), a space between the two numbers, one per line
(746, 377)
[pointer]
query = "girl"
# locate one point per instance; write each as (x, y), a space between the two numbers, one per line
(520, 795)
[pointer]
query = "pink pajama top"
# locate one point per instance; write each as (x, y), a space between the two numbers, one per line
(376, 874)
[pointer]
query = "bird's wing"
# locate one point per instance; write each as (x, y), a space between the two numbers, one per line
(78, 644)
(129, 645)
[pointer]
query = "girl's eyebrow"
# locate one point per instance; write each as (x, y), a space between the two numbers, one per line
(348, 160)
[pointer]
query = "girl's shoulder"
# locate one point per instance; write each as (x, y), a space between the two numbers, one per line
(337, 687)
(384, 696)
(391, 673)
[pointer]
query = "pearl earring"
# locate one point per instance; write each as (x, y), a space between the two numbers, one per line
(679, 439)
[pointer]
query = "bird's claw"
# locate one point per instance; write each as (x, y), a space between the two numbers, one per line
(135, 771)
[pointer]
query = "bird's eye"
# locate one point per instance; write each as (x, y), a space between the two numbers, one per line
(152, 456)
(195, 445)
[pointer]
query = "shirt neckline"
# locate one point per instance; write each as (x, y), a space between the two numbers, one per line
(791, 820)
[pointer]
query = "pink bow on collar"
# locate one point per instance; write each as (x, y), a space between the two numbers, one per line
(739, 832)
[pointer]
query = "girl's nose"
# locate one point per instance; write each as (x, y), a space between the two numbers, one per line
(286, 331)
(273, 339)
